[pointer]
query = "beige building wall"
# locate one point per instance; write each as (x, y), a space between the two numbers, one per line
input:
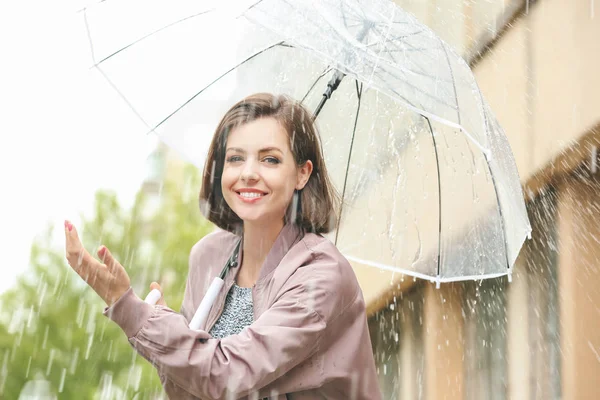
(518, 331)
(539, 79)
(579, 276)
(444, 340)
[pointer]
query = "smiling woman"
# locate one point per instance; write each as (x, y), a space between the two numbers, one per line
(289, 320)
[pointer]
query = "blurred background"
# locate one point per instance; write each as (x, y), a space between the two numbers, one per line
(66, 153)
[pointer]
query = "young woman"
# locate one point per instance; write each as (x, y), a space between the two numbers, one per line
(290, 321)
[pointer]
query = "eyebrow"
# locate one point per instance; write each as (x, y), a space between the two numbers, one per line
(263, 150)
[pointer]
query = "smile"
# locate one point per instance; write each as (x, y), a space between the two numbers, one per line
(251, 194)
(250, 197)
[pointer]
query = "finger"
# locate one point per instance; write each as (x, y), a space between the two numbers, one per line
(161, 301)
(79, 258)
(107, 258)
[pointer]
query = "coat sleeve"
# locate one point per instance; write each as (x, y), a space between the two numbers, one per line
(172, 390)
(281, 338)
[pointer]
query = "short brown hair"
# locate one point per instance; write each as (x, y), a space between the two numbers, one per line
(318, 202)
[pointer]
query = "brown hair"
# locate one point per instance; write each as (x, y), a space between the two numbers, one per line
(317, 203)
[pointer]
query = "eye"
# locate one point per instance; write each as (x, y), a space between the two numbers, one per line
(272, 160)
(233, 159)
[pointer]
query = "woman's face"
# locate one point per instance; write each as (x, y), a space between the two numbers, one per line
(259, 173)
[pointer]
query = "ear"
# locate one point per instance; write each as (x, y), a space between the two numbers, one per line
(303, 174)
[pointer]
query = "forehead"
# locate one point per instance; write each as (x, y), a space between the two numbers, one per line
(262, 132)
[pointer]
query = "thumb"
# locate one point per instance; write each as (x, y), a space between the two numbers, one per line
(161, 301)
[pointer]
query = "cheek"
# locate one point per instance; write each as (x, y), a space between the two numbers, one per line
(228, 178)
(288, 185)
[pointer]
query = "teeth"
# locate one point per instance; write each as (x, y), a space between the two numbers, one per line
(250, 194)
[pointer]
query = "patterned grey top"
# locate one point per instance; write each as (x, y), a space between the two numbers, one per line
(237, 314)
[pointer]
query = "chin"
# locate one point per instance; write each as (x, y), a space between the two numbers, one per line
(258, 219)
(249, 216)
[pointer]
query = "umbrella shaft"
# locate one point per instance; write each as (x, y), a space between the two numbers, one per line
(333, 84)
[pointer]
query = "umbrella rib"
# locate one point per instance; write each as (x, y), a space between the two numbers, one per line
(453, 81)
(437, 163)
(89, 34)
(255, 4)
(486, 155)
(405, 82)
(137, 114)
(216, 80)
(344, 15)
(152, 33)
(487, 161)
(421, 70)
(410, 48)
(315, 83)
(396, 37)
(413, 47)
(359, 95)
(417, 89)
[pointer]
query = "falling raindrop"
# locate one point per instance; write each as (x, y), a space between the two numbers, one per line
(61, 385)
(89, 345)
(50, 362)
(45, 337)
(74, 359)
(80, 312)
(28, 367)
(30, 317)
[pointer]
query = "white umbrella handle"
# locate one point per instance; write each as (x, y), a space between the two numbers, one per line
(202, 312)
(153, 297)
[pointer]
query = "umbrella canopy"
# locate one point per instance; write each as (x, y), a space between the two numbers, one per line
(429, 183)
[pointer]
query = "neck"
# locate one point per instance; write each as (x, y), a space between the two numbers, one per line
(258, 241)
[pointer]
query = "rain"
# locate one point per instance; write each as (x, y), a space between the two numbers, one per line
(461, 142)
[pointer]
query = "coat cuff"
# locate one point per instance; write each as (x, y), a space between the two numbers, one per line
(129, 312)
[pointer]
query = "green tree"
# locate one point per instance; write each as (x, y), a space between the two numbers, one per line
(51, 323)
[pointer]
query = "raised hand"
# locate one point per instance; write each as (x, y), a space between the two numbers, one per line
(108, 278)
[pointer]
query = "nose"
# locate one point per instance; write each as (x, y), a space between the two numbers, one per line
(249, 173)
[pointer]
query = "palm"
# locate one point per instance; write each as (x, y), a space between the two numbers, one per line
(108, 279)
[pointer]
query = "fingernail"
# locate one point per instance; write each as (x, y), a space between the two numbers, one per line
(70, 227)
(101, 251)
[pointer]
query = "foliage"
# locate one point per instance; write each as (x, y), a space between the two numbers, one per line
(51, 323)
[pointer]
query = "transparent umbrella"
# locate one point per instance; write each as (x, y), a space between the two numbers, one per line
(429, 183)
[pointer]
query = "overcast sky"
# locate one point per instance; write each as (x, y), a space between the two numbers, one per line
(64, 132)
